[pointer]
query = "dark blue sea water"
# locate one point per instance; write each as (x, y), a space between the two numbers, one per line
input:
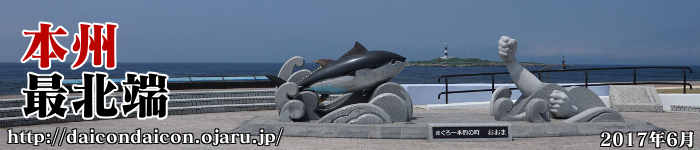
(13, 76)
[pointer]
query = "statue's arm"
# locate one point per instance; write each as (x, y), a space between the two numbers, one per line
(526, 82)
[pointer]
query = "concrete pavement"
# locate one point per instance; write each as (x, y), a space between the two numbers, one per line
(200, 123)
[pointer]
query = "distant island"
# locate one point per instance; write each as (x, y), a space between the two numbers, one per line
(472, 62)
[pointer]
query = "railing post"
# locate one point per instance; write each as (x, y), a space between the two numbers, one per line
(684, 82)
(446, 94)
(493, 87)
(634, 71)
(222, 79)
(539, 75)
(586, 78)
(548, 69)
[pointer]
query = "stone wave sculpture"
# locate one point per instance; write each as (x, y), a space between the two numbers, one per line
(542, 101)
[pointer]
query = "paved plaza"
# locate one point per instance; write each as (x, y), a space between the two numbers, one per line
(226, 122)
(200, 123)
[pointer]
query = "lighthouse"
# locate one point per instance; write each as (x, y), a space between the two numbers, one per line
(447, 56)
(446, 49)
(563, 66)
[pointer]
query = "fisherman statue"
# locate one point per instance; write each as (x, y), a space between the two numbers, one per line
(540, 101)
(359, 79)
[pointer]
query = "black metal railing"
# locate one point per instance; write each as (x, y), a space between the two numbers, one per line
(200, 82)
(539, 73)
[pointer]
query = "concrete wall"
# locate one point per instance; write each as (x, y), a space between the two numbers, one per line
(423, 94)
(679, 99)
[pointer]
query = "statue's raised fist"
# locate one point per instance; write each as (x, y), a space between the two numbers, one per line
(507, 48)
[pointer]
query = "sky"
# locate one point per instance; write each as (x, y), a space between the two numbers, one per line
(619, 32)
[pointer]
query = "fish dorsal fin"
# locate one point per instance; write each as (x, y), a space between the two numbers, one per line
(357, 49)
(324, 62)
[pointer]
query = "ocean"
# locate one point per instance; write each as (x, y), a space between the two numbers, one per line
(13, 76)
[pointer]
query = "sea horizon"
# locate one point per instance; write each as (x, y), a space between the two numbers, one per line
(13, 78)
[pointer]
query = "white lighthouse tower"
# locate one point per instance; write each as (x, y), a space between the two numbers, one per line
(447, 56)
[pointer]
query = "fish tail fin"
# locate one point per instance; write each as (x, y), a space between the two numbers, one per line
(276, 80)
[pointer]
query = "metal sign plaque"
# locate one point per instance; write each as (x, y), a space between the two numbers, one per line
(446, 132)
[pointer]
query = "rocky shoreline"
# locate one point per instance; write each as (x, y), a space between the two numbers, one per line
(484, 64)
